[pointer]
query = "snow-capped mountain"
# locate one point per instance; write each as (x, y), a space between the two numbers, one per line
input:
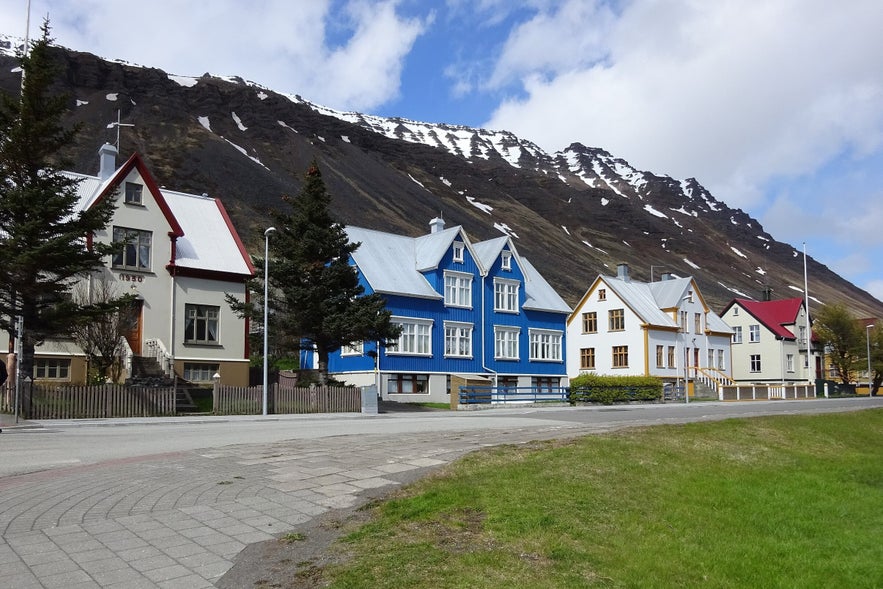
(574, 214)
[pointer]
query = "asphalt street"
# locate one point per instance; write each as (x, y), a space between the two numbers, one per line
(171, 502)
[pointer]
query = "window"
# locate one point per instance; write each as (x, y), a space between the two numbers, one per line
(506, 295)
(506, 343)
(754, 333)
(407, 383)
(620, 356)
(506, 261)
(710, 358)
(671, 356)
(602, 294)
(689, 297)
(545, 345)
(200, 372)
(801, 335)
(134, 249)
(545, 384)
(458, 251)
(355, 349)
(587, 359)
(201, 324)
(721, 363)
(52, 368)
(754, 363)
(590, 322)
(458, 289)
(133, 194)
(414, 339)
(683, 323)
(660, 355)
(616, 319)
(697, 322)
(735, 311)
(789, 362)
(458, 339)
(737, 334)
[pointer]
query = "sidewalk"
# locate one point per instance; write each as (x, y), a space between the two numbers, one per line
(7, 421)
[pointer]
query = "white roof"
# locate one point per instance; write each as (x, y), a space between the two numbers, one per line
(540, 294)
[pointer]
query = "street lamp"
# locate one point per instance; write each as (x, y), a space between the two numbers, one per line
(868, 334)
(266, 327)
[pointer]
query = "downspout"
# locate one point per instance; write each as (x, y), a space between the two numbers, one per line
(483, 332)
(173, 271)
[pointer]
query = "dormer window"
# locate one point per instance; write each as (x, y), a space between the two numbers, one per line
(133, 194)
(506, 261)
(458, 251)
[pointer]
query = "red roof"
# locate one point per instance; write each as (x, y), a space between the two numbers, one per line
(774, 314)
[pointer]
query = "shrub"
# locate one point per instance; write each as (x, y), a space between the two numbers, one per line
(599, 388)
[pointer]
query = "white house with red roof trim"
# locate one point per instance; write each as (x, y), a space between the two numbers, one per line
(770, 341)
(180, 255)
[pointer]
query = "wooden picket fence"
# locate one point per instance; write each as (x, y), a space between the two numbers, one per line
(41, 401)
(229, 400)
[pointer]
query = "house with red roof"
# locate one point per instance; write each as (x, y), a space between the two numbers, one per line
(771, 341)
(179, 255)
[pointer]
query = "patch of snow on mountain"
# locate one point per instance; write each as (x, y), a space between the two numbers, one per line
(239, 122)
(245, 153)
(445, 181)
(82, 102)
(798, 289)
(687, 190)
(345, 138)
(738, 253)
(677, 224)
(654, 212)
(320, 138)
(284, 124)
(480, 206)
(565, 230)
(205, 123)
(112, 97)
(762, 238)
(599, 170)
(733, 221)
(760, 271)
(595, 248)
(416, 181)
(627, 243)
(681, 210)
(604, 202)
(186, 81)
(691, 264)
(734, 290)
(505, 229)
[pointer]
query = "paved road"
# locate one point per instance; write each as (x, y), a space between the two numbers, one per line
(171, 502)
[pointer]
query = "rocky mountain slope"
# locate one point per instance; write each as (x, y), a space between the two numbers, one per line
(574, 214)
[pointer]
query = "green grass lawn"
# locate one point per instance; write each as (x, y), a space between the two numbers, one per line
(793, 501)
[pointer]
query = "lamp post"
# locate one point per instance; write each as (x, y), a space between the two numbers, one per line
(868, 334)
(266, 327)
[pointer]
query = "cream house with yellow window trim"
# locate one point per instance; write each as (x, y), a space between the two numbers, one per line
(665, 329)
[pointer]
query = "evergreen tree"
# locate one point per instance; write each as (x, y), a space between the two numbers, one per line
(44, 245)
(315, 292)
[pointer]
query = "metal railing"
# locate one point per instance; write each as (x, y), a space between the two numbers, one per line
(473, 395)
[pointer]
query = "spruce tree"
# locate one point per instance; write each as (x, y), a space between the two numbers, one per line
(44, 238)
(318, 296)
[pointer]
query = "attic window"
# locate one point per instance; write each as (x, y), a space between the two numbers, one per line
(602, 294)
(735, 311)
(506, 262)
(458, 251)
(133, 194)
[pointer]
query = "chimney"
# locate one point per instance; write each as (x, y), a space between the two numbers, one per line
(436, 225)
(767, 294)
(622, 272)
(666, 276)
(107, 160)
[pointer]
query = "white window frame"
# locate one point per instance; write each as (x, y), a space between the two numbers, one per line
(200, 371)
(132, 193)
(356, 349)
(506, 345)
(506, 295)
(721, 360)
(506, 260)
(754, 333)
(754, 359)
(737, 334)
(789, 362)
(545, 345)
(458, 289)
(459, 249)
(52, 369)
(458, 339)
(415, 339)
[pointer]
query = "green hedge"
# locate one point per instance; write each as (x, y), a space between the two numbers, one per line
(598, 388)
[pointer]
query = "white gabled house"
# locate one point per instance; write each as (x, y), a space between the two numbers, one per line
(665, 329)
(771, 341)
(180, 255)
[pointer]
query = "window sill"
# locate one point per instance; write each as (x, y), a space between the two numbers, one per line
(203, 344)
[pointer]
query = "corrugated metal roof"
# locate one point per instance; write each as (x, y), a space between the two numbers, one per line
(488, 251)
(388, 263)
(540, 294)
(639, 297)
(774, 314)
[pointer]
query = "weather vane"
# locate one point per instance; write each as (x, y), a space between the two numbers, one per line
(118, 124)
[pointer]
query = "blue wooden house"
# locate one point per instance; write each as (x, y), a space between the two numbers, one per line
(476, 314)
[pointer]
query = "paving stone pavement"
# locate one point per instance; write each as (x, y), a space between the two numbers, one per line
(179, 520)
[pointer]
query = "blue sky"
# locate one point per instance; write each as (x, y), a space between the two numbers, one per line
(774, 106)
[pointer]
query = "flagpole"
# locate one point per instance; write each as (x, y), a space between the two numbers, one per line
(809, 366)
